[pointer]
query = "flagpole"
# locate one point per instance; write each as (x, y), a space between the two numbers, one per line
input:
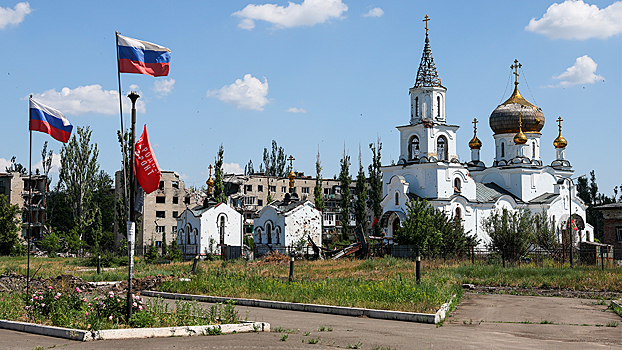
(29, 206)
(122, 128)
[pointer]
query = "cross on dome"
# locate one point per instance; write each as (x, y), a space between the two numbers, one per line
(515, 67)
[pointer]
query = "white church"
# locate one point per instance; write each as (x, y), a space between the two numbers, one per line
(429, 167)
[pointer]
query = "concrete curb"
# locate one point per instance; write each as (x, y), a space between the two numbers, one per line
(133, 333)
(438, 317)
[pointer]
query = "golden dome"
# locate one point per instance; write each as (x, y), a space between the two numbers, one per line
(520, 138)
(210, 181)
(475, 143)
(560, 141)
(291, 176)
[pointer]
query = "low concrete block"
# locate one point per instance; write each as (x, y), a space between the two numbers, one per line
(439, 316)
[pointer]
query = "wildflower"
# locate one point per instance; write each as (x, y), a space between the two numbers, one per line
(134, 304)
(56, 297)
(110, 318)
(78, 290)
(89, 304)
(43, 305)
(40, 292)
(50, 287)
(140, 307)
(84, 300)
(87, 313)
(136, 297)
(35, 297)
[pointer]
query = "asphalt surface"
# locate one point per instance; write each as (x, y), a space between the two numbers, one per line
(479, 322)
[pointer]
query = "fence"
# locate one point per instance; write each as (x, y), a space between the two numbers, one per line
(587, 254)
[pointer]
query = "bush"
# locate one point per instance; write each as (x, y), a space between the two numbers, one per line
(152, 255)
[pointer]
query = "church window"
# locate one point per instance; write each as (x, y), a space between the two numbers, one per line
(441, 148)
(533, 150)
(269, 233)
(502, 149)
(278, 235)
(619, 233)
(258, 232)
(222, 230)
(457, 185)
(458, 213)
(397, 198)
(416, 106)
(413, 149)
(438, 106)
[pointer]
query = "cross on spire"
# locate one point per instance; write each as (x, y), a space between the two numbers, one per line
(426, 24)
(291, 159)
(559, 121)
(210, 167)
(474, 125)
(515, 67)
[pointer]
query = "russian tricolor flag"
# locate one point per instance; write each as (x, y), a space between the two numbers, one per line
(49, 121)
(142, 57)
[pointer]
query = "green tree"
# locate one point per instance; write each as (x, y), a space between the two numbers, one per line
(77, 176)
(16, 167)
(417, 228)
(320, 204)
(219, 187)
(346, 197)
(174, 253)
(274, 162)
(360, 204)
(10, 225)
(248, 168)
(152, 254)
(51, 243)
(543, 229)
(164, 244)
(510, 232)
(375, 184)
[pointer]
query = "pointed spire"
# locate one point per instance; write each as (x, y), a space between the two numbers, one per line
(427, 74)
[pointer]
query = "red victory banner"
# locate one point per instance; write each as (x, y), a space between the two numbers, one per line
(146, 166)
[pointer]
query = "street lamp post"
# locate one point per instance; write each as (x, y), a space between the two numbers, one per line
(131, 228)
(570, 183)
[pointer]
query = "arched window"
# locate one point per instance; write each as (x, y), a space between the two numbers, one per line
(258, 234)
(438, 104)
(441, 148)
(269, 233)
(278, 235)
(222, 230)
(397, 198)
(457, 185)
(502, 149)
(458, 213)
(413, 148)
(416, 106)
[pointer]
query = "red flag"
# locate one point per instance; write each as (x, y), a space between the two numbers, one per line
(574, 226)
(375, 221)
(146, 166)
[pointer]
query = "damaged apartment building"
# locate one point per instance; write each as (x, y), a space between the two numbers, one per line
(160, 210)
(19, 188)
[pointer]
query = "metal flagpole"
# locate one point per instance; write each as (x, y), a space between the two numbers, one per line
(29, 206)
(131, 226)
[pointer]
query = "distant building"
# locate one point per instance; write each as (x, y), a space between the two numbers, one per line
(18, 188)
(160, 210)
(612, 226)
(211, 227)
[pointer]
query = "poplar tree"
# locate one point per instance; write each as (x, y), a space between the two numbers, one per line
(219, 187)
(360, 205)
(317, 191)
(346, 197)
(375, 184)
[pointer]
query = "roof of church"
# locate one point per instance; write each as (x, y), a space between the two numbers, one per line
(544, 198)
(288, 204)
(208, 204)
(427, 76)
(490, 192)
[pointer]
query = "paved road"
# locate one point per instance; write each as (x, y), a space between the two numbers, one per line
(480, 322)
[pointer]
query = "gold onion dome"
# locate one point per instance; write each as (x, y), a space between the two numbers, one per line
(504, 119)
(560, 141)
(520, 138)
(475, 143)
(210, 181)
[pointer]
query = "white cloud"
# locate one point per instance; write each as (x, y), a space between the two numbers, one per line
(134, 87)
(14, 16)
(582, 72)
(232, 168)
(296, 110)
(55, 164)
(309, 13)
(249, 93)
(90, 99)
(163, 87)
(4, 163)
(375, 12)
(577, 20)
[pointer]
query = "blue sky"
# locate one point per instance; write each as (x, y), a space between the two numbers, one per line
(312, 74)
